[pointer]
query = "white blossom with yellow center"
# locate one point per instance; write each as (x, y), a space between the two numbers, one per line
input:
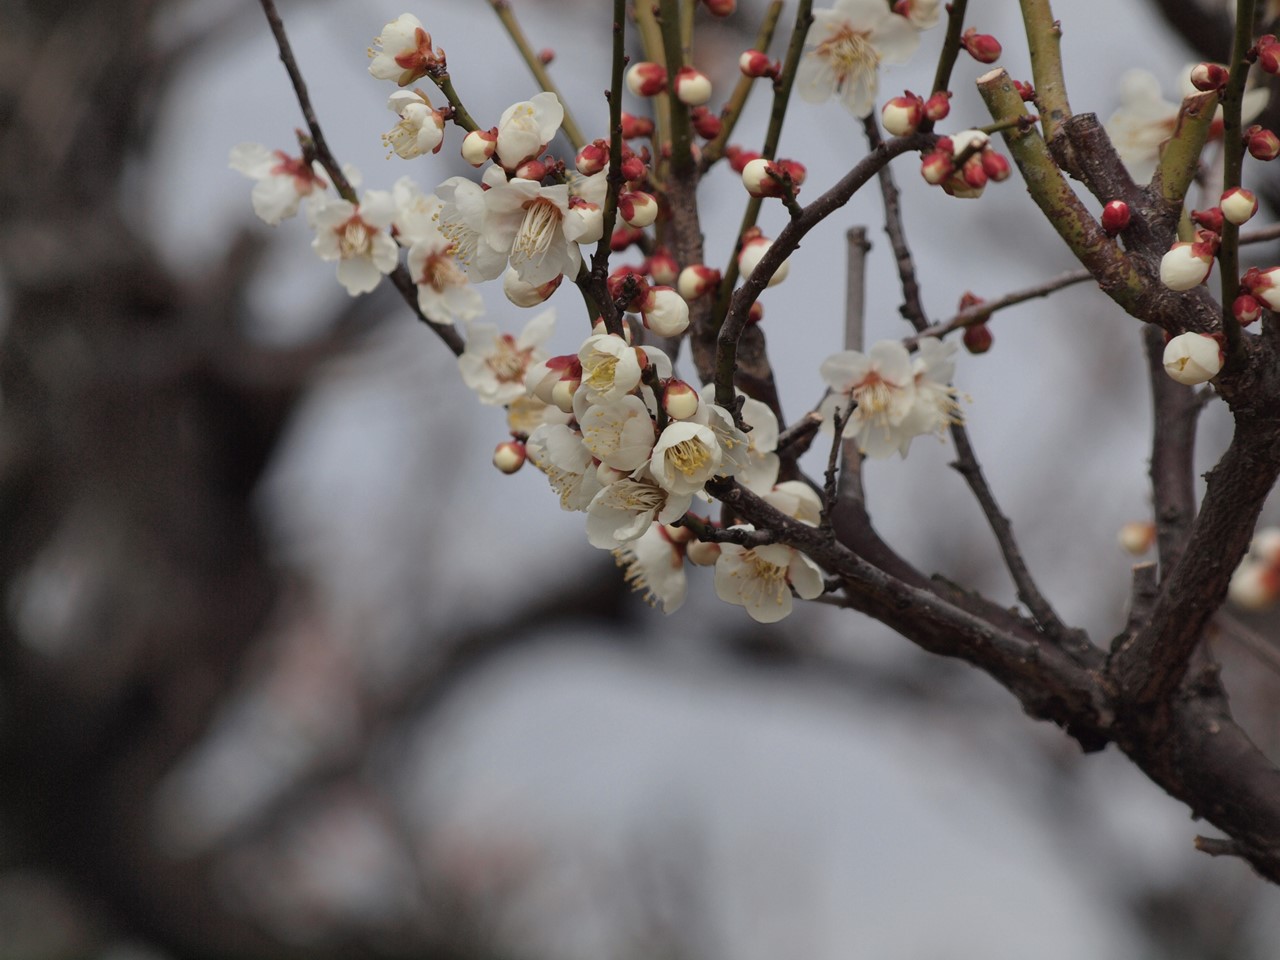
(494, 364)
(761, 578)
(848, 44)
(685, 457)
(356, 236)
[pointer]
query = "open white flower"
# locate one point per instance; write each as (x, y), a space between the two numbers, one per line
(610, 368)
(797, 500)
(1145, 119)
(619, 434)
(282, 181)
(529, 225)
(494, 364)
(758, 464)
(356, 236)
(526, 128)
(625, 509)
(761, 578)
(935, 406)
(421, 126)
(557, 450)
(883, 385)
(403, 51)
(462, 219)
(849, 43)
(685, 457)
(654, 564)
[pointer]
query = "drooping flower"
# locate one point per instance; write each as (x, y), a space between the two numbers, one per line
(421, 126)
(654, 563)
(403, 51)
(282, 181)
(494, 364)
(526, 128)
(356, 236)
(882, 384)
(761, 578)
(849, 42)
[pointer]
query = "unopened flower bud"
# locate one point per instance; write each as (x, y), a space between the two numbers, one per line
(974, 173)
(701, 553)
(981, 46)
(1265, 545)
(697, 280)
(638, 209)
(524, 294)
(1263, 284)
(1115, 217)
(692, 86)
(547, 56)
(598, 328)
(753, 252)
(1209, 76)
(1246, 309)
(1137, 536)
(721, 8)
(1184, 268)
(978, 338)
(624, 237)
(902, 115)
(1192, 358)
(540, 379)
(509, 456)
(1268, 53)
(756, 178)
(647, 79)
(936, 167)
(705, 123)
(755, 64)
(995, 165)
(593, 157)
(562, 393)
(1025, 90)
(1263, 144)
(628, 287)
(633, 168)
(755, 314)
(1210, 219)
(679, 400)
(1254, 586)
(531, 170)
(739, 158)
(634, 127)
(665, 312)
(1238, 205)
(938, 106)
(662, 266)
(478, 146)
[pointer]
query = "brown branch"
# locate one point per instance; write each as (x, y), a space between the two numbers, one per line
(1173, 442)
(982, 311)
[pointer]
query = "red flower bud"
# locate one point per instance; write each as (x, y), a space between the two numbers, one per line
(662, 266)
(546, 55)
(720, 8)
(978, 338)
(1025, 90)
(995, 165)
(706, 123)
(1268, 53)
(593, 157)
(739, 158)
(981, 46)
(1263, 144)
(1115, 217)
(634, 127)
(1246, 309)
(646, 79)
(936, 167)
(938, 106)
(902, 115)
(755, 64)
(1210, 219)
(1209, 76)
(756, 313)
(624, 237)
(628, 287)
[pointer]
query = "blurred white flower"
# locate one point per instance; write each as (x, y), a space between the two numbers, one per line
(356, 236)
(283, 181)
(494, 364)
(849, 42)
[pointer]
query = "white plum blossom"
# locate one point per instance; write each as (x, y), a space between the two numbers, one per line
(610, 368)
(1192, 358)
(1186, 265)
(526, 128)
(797, 500)
(935, 407)
(403, 51)
(444, 293)
(557, 450)
(282, 181)
(625, 509)
(654, 563)
(761, 578)
(923, 14)
(356, 236)
(528, 225)
(494, 364)
(619, 434)
(759, 463)
(462, 218)
(849, 42)
(1145, 119)
(421, 126)
(685, 457)
(883, 385)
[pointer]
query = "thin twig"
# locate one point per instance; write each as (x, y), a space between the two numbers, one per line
(400, 276)
(982, 311)
(738, 99)
(539, 69)
(850, 490)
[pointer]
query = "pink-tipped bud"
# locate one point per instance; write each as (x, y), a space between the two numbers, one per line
(1210, 219)
(1263, 144)
(981, 46)
(1254, 586)
(531, 170)
(755, 314)
(755, 64)
(1209, 76)
(974, 173)
(628, 287)
(1025, 90)
(509, 456)
(1268, 53)
(647, 79)
(679, 400)
(665, 312)
(1185, 267)
(624, 237)
(1246, 309)
(633, 168)
(599, 328)
(721, 8)
(593, 158)
(938, 106)
(692, 86)
(995, 165)
(739, 158)
(970, 299)
(768, 178)
(1115, 217)
(638, 209)
(540, 379)
(524, 294)
(1238, 205)
(662, 266)
(562, 393)
(978, 338)
(1137, 537)
(1264, 285)
(697, 280)
(478, 146)
(937, 166)
(705, 123)
(546, 55)
(634, 127)
(902, 115)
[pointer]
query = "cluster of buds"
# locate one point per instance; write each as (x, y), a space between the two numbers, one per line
(981, 46)
(1263, 285)
(963, 163)
(1193, 358)
(977, 336)
(1255, 585)
(773, 178)
(594, 157)
(903, 115)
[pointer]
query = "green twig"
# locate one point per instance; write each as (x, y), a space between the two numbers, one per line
(714, 150)
(1044, 41)
(1232, 158)
(539, 69)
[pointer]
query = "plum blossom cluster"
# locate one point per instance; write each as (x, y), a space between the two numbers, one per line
(619, 437)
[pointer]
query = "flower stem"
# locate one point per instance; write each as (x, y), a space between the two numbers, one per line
(460, 115)
(1232, 158)
(950, 51)
(596, 288)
